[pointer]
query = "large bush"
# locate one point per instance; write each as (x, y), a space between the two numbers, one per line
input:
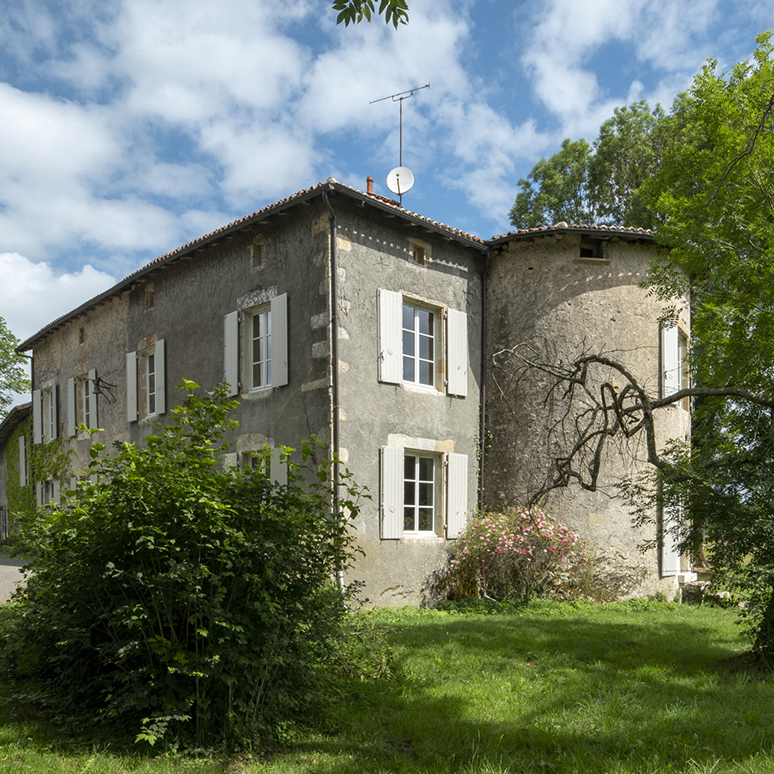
(168, 594)
(516, 554)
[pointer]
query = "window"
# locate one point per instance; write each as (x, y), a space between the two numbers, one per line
(418, 345)
(146, 395)
(418, 494)
(675, 373)
(264, 355)
(259, 348)
(412, 338)
(81, 402)
(24, 471)
(256, 252)
(670, 554)
(419, 251)
(44, 414)
(150, 297)
(47, 492)
(418, 489)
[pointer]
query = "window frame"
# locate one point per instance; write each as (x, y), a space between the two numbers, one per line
(417, 336)
(418, 483)
(264, 339)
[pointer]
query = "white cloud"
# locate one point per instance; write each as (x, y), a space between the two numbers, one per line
(39, 294)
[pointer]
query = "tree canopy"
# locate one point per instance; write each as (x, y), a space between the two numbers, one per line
(355, 11)
(13, 378)
(600, 183)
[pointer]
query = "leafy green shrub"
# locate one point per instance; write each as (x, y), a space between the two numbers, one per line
(170, 595)
(516, 554)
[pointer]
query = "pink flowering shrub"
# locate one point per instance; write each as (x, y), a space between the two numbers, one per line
(519, 553)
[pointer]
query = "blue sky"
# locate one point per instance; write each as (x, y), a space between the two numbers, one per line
(130, 127)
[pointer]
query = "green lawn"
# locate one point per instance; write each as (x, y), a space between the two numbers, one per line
(552, 688)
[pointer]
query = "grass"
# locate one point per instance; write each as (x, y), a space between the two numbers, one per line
(632, 687)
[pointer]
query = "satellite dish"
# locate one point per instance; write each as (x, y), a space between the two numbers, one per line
(400, 180)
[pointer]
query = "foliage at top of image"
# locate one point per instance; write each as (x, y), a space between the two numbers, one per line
(516, 554)
(12, 375)
(355, 11)
(170, 597)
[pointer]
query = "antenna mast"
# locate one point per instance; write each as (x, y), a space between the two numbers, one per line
(399, 97)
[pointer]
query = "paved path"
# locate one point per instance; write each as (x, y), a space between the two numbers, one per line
(9, 575)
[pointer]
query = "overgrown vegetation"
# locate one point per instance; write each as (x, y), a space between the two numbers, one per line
(169, 597)
(516, 554)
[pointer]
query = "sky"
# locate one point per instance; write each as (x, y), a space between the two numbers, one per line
(130, 127)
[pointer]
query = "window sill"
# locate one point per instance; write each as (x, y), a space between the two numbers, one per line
(421, 388)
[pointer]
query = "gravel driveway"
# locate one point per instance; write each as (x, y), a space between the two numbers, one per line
(9, 575)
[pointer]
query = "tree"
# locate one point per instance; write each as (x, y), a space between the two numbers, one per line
(713, 198)
(600, 184)
(12, 376)
(169, 592)
(355, 11)
(556, 189)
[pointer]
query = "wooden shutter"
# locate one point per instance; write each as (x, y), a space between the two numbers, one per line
(457, 352)
(71, 399)
(23, 460)
(231, 352)
(55, 412)
(392, 492)
(390, 337)
(279, 340)
(37, 417)
(92, 399)
(670, 361)
(670, 557)
(277, 468)
(161, 379)
(456, 494)
(131, 387)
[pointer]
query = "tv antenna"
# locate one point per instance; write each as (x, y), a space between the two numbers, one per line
(400, 179)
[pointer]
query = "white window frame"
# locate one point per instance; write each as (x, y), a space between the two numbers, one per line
(263, 316)
(44, 413)
(81, 402)
(24, 473)
(416, 337)
(450, 344)
(413, 485)
(137, 372)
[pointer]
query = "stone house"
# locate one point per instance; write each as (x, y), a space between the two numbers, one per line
(339, 314)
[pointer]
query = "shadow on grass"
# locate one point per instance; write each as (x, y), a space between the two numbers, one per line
(521, 693)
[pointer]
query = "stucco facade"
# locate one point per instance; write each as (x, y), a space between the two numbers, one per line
(340, 315)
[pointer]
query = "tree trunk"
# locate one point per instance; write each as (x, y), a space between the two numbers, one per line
(764, 639)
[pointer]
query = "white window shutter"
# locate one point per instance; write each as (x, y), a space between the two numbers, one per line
(390, 337)
(279, 340)
(456, 494)
(670, 556)
(392, 492)
(23, 460)
(161, 377)
(57, 493)
(37, 416)
(55, 412)
(231, 352)
(131, 386)
(277, 468)
(230, 461)
(92, 399)
(670, 360)
(71, 398)
(457, 353)
(39, 493)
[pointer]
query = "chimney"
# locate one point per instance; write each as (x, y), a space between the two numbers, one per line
(369, 184)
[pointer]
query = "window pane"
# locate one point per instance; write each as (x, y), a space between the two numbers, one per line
(425, 372)
(409, 461)
(425, 320)
(408, 317)
(408, 343)
(426, 519)
(425, 494)
(408, 493)
(408, 519)
(425, 348)
(426, 465)
(408, 369)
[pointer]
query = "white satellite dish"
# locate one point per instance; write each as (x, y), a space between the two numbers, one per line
(400, 180)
